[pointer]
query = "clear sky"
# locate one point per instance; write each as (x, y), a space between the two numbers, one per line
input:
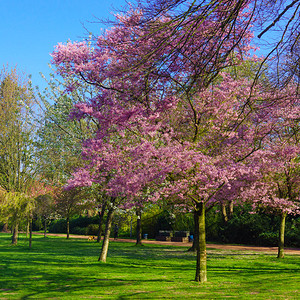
(29, 29)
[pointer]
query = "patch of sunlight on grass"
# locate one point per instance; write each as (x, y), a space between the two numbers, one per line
(57, 268)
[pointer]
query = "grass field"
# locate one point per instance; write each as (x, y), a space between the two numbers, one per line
(56, 268)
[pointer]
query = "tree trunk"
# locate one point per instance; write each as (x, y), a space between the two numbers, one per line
(101, 217)
(201, 271)
(45, 227)
(224, 212)
(104, 249)
(130, 226)
(139, 227)
(14, 239)
(196, 234)
(281, 236)
(28, 227)
(68, 227)
(30, 232)
(230, 209)
(5, 227)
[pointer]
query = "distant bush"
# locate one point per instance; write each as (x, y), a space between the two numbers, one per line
(78, 230)
(243, 228)
(258, 229)
(78, 225)
(92, 229)
(292, 235)
(83, 221)
(268, 239)
(152, 224)
(58, 226)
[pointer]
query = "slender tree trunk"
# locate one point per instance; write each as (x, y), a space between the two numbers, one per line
(45, 227)
(28, 227)
(5, 227)
(14, 239)
(130, 226)
(196, 234)
(201, 271)
(68, 227)
(139, 227)
(30, 232)
(101, 217)
(281, 236)
(230, 209)
(104, 249)
(224, 212)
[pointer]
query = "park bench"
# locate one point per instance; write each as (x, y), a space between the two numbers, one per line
(177, 236)
(164, 235)
(181, 236)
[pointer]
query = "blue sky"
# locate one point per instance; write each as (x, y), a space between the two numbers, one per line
(29, 29)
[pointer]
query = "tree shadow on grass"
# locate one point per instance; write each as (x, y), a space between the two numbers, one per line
(59, 268)
(64, 281)
(63, 284)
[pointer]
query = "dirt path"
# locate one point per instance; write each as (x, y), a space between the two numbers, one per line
(211, 246)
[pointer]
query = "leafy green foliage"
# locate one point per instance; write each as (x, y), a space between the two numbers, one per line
(60, 138)
(78, 225)
(17, 149)
(17, 165)
(259, 229)
(244, 228)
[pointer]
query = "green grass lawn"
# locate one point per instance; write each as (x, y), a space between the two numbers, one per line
(56, 268)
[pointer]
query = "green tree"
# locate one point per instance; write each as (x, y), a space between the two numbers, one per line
(71, 202)
(17, 150)
(59, 138)
(44, 209)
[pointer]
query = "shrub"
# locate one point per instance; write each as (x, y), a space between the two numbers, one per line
(243, 228)
(268, 239)
(83, 221)
(78, 230)
(78, 225)
(58, 226)
(246, 228)
(92, 229)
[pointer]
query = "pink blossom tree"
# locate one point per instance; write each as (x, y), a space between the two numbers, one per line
(277, 188)
(158, 152)
(174, 124)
